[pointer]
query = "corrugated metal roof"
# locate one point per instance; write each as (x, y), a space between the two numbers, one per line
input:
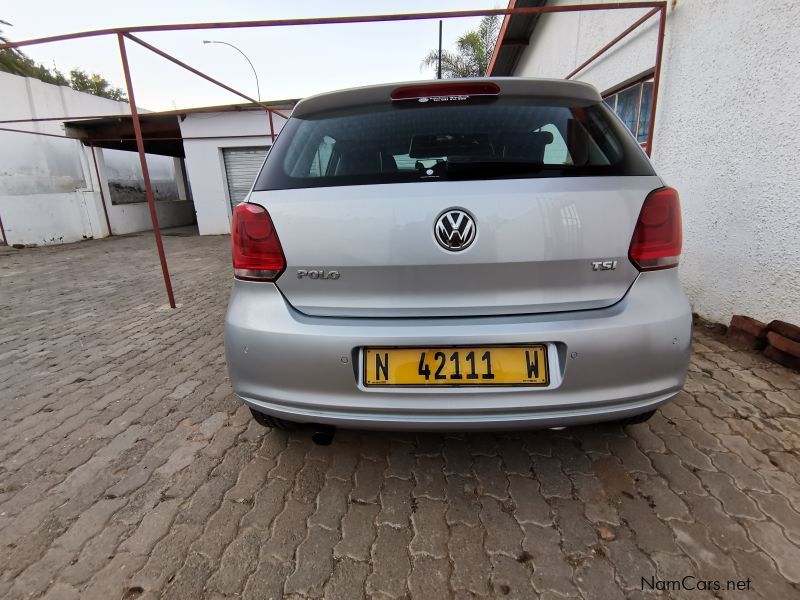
(161, 130)
(515, 35)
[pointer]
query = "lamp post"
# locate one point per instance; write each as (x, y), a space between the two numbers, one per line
(258, 88)
(439, 67)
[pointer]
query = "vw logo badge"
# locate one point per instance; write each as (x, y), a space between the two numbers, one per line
(455, 230)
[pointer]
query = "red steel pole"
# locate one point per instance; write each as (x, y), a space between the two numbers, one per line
(271, 126)
(500, 36)
(137, 129)
(55, 135)
(102, 194)
(180, 63)
(612, 43)
(127, 139)
(662, 24)
(164, 113)
(457, 14)
(5, 121)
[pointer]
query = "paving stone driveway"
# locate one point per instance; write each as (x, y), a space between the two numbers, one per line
(128, 469)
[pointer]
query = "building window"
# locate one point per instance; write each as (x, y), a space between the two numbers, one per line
(632, 104)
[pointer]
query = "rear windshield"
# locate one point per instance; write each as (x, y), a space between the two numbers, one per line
(475, 139)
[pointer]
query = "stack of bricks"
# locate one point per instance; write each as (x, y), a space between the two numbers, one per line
(778, 340)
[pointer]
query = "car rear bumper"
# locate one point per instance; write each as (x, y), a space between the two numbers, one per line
(607, 364)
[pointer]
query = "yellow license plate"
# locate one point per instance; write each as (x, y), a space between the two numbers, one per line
(457, 366)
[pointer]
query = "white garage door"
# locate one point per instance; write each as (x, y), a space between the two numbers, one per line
(241, 168)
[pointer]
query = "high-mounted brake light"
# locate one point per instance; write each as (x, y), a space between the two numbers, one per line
(439, 90)
(658, 237)
(257, 252)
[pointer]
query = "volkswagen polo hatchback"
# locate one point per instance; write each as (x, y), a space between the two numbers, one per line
(475, 254)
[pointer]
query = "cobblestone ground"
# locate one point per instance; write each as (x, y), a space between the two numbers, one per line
(128, 469)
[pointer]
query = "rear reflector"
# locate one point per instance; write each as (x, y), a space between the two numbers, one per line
(658, 238)
(439, 90)
(257, 252)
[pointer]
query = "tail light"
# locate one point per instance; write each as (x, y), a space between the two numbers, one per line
(257, 252)
(658, 237)
(437, 90)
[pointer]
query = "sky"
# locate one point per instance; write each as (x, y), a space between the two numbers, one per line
(291, 62)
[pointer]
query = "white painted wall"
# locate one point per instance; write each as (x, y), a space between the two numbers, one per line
(53, 218)
(204, 164)
(48, 189)
(726, 136)
(132, 217)
(124, 174)
(562, 41)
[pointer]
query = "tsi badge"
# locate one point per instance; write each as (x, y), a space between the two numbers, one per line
(317, 274)
(604, 265)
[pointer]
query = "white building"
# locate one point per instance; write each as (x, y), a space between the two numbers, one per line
(725, 130)
(224, 151)
(201, 161)
(49, 191)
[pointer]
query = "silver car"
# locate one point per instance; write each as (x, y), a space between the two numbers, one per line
(485, 253)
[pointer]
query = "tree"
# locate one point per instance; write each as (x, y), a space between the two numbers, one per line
(18, 63)
(81, 81)
(474, 52)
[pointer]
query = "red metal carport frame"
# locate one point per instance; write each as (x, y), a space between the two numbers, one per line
(123, 33)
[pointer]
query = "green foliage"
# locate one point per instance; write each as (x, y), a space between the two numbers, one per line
(81, 81)
(474, 51)
(18, 63)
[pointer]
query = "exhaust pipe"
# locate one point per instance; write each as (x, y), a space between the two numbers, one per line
(323, 434)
